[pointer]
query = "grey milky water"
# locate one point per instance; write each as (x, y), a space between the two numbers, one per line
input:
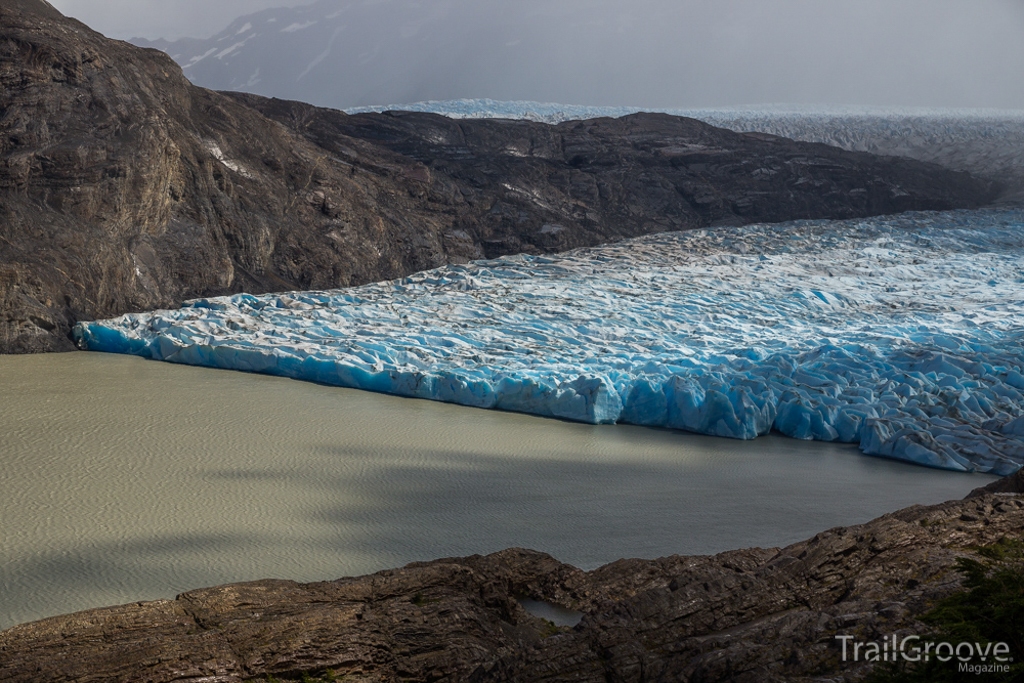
(123, 479)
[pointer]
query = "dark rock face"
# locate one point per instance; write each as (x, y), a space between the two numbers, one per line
(123, 187)
(748, 615)
(520, 186)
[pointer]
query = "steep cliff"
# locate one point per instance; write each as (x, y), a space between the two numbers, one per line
(123, 187)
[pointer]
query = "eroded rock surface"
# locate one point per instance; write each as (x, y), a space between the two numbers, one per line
(746, 615)
(125, 188)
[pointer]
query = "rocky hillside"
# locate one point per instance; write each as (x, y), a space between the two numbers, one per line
(553, 187)
(988, 144)
(758, 615)
(124, 187)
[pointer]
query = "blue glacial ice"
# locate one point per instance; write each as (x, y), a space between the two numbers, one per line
(904, 334)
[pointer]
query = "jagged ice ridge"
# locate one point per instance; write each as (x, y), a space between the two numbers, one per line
(904, 334)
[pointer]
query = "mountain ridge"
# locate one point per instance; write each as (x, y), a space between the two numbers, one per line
(124, 187)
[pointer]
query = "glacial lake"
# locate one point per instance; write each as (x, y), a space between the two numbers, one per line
(123, 479)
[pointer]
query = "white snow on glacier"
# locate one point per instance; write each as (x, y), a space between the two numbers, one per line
(904, 334)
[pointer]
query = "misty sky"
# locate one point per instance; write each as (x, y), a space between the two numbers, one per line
(163, 18)
(954, 53)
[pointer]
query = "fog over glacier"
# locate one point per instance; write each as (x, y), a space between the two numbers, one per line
(647, 53)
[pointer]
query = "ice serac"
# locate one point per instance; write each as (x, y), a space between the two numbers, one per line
(904, 334)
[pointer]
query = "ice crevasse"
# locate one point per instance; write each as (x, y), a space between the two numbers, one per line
(903, 334)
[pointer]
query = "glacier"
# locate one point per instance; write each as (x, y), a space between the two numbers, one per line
(903, 334)
(744, 117)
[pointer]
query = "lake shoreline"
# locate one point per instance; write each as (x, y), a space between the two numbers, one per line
(743, 612)
(128, 480)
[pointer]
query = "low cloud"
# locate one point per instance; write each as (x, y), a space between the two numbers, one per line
(648, 52)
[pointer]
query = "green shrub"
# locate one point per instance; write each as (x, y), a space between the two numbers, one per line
(990, 610)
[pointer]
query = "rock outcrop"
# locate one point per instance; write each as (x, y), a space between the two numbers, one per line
(748, 615)
(123, 187)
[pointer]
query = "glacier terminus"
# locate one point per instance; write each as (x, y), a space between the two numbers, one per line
(903, 334)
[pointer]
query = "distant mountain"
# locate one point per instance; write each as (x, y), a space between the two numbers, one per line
(655, 53)
(342, 53)
(348, 54)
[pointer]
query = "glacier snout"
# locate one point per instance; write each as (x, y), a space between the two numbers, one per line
(904, 334)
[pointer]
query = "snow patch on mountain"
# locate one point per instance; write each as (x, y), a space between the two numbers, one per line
(198, 58)
(298, 26)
